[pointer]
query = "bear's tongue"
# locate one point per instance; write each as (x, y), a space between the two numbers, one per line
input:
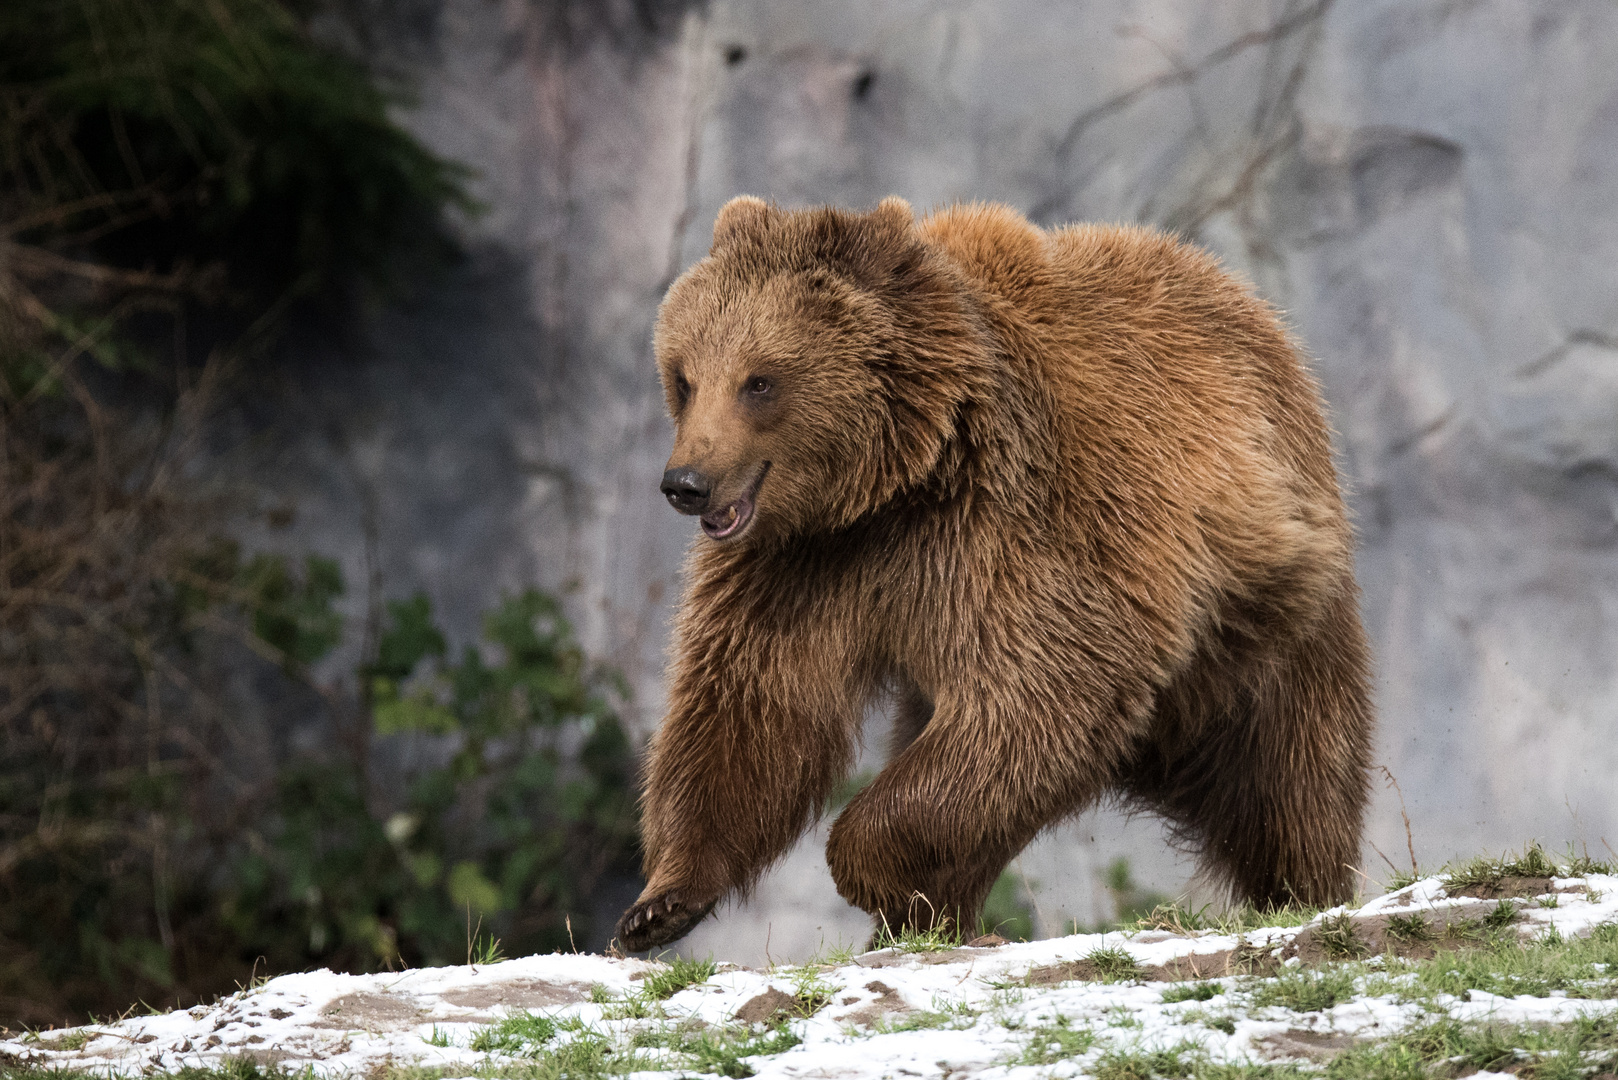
(728, 520)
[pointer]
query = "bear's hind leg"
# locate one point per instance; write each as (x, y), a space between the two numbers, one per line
(921, 846)
(1273, 788)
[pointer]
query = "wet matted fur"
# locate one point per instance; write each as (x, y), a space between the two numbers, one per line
(1070, 491)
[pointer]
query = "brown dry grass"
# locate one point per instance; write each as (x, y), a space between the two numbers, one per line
(113, 733)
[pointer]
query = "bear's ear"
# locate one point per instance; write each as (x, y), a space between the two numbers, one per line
(894, 213)
(883, 242)
(742, 218)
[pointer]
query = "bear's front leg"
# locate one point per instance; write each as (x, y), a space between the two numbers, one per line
(759, 728)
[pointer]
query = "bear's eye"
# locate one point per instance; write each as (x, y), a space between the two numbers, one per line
(757, 386)
(682, 389)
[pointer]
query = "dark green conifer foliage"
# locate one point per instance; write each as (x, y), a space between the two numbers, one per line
(162, 134)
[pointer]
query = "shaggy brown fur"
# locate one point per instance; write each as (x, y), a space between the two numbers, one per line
(1069, 494)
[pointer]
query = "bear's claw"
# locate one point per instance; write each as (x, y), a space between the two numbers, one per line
(660, 920)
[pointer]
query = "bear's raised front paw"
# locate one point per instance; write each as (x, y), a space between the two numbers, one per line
(660, 920)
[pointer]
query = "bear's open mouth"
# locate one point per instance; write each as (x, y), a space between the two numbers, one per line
(730, 520)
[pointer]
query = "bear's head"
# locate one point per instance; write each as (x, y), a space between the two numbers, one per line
(815, 365)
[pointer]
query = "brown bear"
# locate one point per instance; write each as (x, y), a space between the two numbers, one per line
(1067, 495)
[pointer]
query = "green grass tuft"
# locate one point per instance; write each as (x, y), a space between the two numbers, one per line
(721, 1050)
(1176, 918)
(631, 1007)
(1400, 879)
(1569, 1051)
(1504, 914)
(1055, 1042)
(1338, 938)
(587, 1056)
(676, 975)
(1192, 991)
(811, 991)
(1583, 866)
(1240, 920)
(1490, 873)
(832, 956)
(1208, 1070)
(1221, 1022)
(1410, 929)
(1305, 990)
(521, 1033)
(1113, 964)
(1584, 967)
(484, 950)
(236, 1068)
(1576, 1050)
(944, 1014)
(909, 940)
(1178, 1062)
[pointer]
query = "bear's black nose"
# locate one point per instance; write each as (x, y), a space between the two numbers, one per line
(687, 490)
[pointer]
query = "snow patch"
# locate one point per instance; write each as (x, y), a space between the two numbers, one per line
(975, 1006)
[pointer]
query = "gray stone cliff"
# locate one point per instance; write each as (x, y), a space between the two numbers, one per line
(1428, 189)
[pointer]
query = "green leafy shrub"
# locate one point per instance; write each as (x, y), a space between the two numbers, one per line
(155, 882)
(525, 807)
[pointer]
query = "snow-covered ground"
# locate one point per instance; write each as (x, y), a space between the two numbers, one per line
(961, 1012)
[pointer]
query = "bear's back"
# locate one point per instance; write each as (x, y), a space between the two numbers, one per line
(1179, 408)
(1133, 331)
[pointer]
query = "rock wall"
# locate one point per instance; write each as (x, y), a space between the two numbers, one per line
(1426, 187)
